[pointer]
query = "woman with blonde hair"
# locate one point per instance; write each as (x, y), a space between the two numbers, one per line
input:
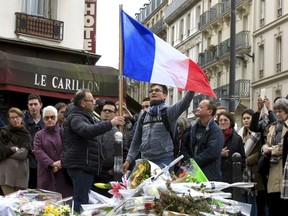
(15, 143)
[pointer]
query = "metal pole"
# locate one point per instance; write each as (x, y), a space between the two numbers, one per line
(236, 175)
(232, 58)
(118, 156)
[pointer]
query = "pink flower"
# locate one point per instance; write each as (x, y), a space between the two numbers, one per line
(116, 186)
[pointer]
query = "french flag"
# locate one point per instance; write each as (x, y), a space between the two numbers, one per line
(148, 58)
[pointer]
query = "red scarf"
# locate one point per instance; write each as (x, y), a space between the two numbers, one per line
(227, 133)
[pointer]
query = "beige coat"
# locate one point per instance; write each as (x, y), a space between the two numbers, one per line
(276, 169)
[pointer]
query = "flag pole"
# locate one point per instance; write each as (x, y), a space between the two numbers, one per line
(120, 78)
(118, 145)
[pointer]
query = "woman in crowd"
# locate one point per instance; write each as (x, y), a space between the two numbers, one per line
(232, 143)
(276, 149)
(48, 149)
(15, 143)
(252, 147)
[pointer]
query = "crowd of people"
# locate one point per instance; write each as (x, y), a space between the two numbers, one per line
(67, 148)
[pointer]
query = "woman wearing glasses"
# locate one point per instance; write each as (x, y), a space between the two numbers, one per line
(48, 149)
(15, 143)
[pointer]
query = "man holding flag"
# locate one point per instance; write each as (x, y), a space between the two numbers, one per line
(147, 58)
(151, 137)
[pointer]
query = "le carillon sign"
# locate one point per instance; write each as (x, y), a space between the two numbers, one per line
(20, 71)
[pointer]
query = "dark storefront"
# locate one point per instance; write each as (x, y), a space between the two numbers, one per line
(55, 81)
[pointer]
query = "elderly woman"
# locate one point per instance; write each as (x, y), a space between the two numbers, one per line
(232, 143)
(276, 148)
(15, 143)
(48, 149)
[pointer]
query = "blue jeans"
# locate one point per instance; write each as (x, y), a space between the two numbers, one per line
(251, 200)
(82, 183)
(164, 162)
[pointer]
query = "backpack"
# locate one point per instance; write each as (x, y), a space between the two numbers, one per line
(165, 121)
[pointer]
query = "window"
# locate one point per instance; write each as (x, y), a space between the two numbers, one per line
(261, 63)
(262, 14)
(173, 36)
(188, 17)
(278, 54)
(181, 29)
(37, 7)
(179, 95)
(170, 91)
(279, 10)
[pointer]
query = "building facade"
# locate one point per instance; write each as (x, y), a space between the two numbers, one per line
(200, 29)
(47, 47)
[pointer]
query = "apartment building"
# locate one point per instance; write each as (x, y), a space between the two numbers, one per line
(201, 30)
(48, 47)
(270, 35)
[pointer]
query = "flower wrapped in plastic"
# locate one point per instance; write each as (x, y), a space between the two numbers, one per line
(191, 172)
(140, 173)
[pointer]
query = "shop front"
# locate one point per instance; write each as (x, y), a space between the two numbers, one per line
(54, 81)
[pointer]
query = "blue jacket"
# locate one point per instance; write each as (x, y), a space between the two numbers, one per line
(208, 154)
(152, 139)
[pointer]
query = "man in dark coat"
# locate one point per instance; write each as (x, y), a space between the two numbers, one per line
(108, 112)
(82, 153)
(33, 123)
(205, 142)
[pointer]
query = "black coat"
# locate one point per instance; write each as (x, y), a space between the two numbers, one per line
(235, 144)
(82, 147)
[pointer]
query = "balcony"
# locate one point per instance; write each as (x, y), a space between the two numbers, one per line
(242, 90)
(223, 49)
(225, 6)
(178, 8)
(219, 10)
(203, 20)
(158, 26)
(215, 12)
(39, 27)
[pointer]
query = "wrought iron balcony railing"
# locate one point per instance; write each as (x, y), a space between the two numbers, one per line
(222, 50)
(242, 90)
(39, 26)
(177, 7)
(203, 20)
(215, 12)
(158, 26)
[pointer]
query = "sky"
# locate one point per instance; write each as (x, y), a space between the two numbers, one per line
(107, 35)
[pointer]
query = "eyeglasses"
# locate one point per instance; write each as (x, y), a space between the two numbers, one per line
(14, 117)
(52, 117)
(92, 101)
(145, 107)
(108, 110)
(155, 90)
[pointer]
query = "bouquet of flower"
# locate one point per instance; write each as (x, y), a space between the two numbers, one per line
(140, 173)
(52, 210)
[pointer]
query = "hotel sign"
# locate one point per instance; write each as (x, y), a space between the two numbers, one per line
(90, 26)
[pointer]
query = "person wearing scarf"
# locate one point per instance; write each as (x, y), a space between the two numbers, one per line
(276, 148)
(48, 148)
(14, 149)
(232, 144)
(252, 147)
(151, 138)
